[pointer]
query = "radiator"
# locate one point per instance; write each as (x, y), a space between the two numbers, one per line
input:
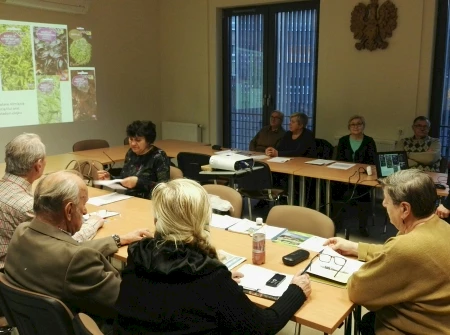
(382, 145)
(181, 131)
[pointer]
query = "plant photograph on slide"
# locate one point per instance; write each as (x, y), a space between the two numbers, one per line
(50, 45)
(84, 95)
(80, 47)
(49, 99)
(16, 60)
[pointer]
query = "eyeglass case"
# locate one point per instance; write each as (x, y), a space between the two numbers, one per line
(295, 257)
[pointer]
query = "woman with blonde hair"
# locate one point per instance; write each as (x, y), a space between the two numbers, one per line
(174, 283)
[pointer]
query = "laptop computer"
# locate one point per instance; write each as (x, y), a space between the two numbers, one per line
(390, 162)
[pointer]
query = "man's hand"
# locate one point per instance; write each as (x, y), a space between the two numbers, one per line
(344, 247)
(130, 182)
(103, 175)
(303, 282)
(236, 276)
(442, 212)
(134, 236)
(272, 152)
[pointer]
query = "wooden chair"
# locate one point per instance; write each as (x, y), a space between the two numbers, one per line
(90, 144)
(301, 219)
(38, 314)
(175, 173)
(84, 325)
(229, 194)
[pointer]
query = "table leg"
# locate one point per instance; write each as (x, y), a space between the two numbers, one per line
(357, 314)
(328, 198)
(301, 201)
(348, 325)
(318, 194)
(373, 194)
(291, 189)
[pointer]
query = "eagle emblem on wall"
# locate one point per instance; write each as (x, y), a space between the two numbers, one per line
(372, 24)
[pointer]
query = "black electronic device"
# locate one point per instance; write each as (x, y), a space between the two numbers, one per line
(390, 162)
(276, 280)
(440, 186)
(295, 257)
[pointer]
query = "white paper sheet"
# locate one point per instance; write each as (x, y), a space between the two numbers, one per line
(341, 166)
(230, 260)
(107, 199)
(314, 243)
(223, 221)
(320, 162)
(107, 182)
(279, 159)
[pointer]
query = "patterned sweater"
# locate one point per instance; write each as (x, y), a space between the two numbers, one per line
(423, 154)
(150, 168)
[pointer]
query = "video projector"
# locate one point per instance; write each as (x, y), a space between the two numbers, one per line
(230, 162)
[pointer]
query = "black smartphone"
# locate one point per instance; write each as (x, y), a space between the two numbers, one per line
(276, 280)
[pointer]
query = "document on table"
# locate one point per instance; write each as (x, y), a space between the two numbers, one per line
(223, 221)
(103, 213)
(230, 260)
(292, 238)
(107, 199)
(255, 279)
(246, 226)
(341, 166)
(279, 159)
(108, 182)
(314, 243)
(328, 268)
(320, 162)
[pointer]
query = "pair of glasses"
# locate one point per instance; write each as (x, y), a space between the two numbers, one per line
(324, 258)
(355, 124)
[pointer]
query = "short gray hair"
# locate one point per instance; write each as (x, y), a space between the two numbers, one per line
(414, 187)
(54, 191)
(22, 152)
(354, 117)
(300, 118)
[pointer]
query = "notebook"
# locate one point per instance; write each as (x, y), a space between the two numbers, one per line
(390, 162)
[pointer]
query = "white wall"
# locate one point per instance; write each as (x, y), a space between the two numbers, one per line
(125, 37)
(389, 87)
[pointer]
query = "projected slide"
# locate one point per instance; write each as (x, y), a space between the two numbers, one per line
(46, 74)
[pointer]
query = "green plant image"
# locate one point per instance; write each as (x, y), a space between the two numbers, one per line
(50, 45)
(49, 99)
(81, 51)
(16, 59)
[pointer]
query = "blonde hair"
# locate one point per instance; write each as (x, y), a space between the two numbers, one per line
(182, 211)
(355, 117)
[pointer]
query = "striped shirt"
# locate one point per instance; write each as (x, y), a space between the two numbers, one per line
(16, 206)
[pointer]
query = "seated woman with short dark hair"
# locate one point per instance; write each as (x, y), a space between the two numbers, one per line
(145, 165)
(175, 284)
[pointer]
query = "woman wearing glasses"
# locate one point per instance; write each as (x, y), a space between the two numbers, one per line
(145, 165)
(356, 147)
(406, 280)
(424, 152)
(175, 284)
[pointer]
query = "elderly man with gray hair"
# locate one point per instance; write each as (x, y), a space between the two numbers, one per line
(44, 258)
(25, 163)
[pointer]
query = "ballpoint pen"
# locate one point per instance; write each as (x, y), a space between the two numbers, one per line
(309, 265)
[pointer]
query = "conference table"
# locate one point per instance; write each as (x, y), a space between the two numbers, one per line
(296, 166)
(325, 310)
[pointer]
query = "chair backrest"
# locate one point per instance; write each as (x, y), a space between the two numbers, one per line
(84, 325)
(175, 173)
(34, 313)
(86, 169)
(229, 194)
(190, 164)
(301, 219)
(324, 149)
(260, 179)
(443, 165)
(90, 144)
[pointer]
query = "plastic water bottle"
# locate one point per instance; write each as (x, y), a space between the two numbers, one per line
(259, 244)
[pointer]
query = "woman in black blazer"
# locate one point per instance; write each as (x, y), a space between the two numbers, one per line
(357, 148)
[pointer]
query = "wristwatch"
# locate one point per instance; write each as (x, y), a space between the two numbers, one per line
(117, 240)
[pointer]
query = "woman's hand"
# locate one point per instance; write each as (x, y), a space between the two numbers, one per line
(272, 152)
(344, 247)
(103, 175)
(303, 282)
(236, 276)
(442, 212)
(130, 182)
